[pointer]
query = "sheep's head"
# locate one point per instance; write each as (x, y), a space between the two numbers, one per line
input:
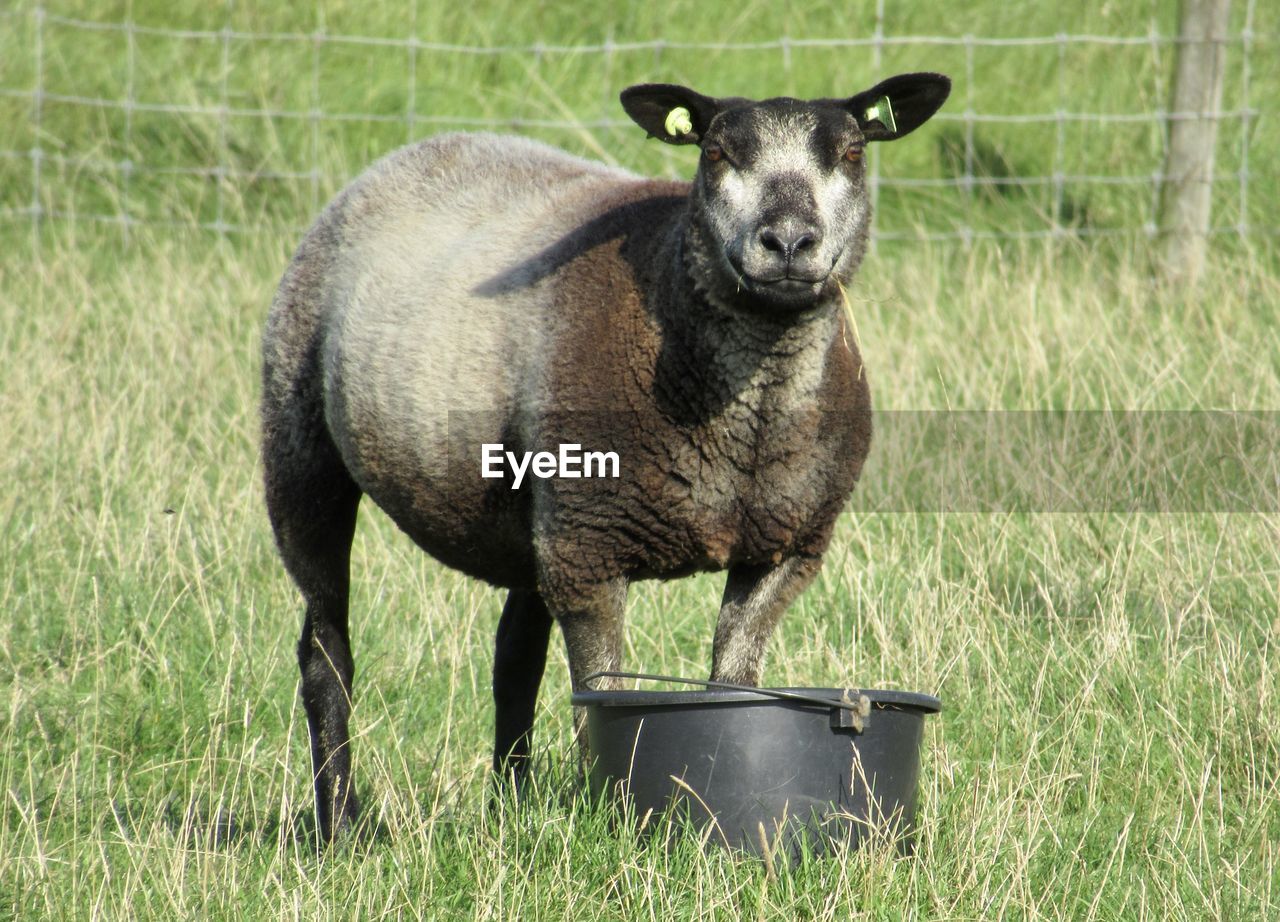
(779, 208)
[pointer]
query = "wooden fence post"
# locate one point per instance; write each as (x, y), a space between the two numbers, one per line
(1185, 195)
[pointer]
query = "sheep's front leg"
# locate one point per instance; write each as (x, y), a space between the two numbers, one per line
(755, 597)
(592, 623)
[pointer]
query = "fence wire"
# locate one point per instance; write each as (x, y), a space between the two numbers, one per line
(115, 200)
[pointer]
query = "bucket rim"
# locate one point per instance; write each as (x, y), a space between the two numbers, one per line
(636, 698)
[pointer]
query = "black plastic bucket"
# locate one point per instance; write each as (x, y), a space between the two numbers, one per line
(770, 771)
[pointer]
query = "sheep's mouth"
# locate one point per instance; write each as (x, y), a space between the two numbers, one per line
(791, 289)
(785, 283)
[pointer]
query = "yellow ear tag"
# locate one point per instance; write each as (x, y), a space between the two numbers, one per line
(678, 122)
(882, 111)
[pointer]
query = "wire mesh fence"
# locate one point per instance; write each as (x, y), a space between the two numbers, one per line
(121, 123)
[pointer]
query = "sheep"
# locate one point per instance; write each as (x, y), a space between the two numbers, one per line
(473, 298)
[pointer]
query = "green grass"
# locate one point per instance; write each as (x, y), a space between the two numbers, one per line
(273, 78)
(1110, 745)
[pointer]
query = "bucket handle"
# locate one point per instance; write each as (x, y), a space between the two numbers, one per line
(853, 709)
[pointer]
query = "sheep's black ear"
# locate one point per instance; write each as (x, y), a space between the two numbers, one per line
(898, 106)
(671, 113)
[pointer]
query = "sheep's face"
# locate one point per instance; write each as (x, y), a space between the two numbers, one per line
(781, 196)
(779, 205)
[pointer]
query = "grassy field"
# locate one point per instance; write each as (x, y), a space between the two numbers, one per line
(1110, 743)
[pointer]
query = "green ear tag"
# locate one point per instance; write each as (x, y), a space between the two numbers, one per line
(882, 111)
(678, 122)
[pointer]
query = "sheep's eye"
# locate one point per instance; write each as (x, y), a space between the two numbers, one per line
(853, 153)
(713, 152)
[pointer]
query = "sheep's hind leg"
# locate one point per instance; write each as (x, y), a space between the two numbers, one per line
(755, 597)
(520, 658)
(312, 502)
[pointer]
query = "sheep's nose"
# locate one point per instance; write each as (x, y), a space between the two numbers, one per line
(788, 242)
